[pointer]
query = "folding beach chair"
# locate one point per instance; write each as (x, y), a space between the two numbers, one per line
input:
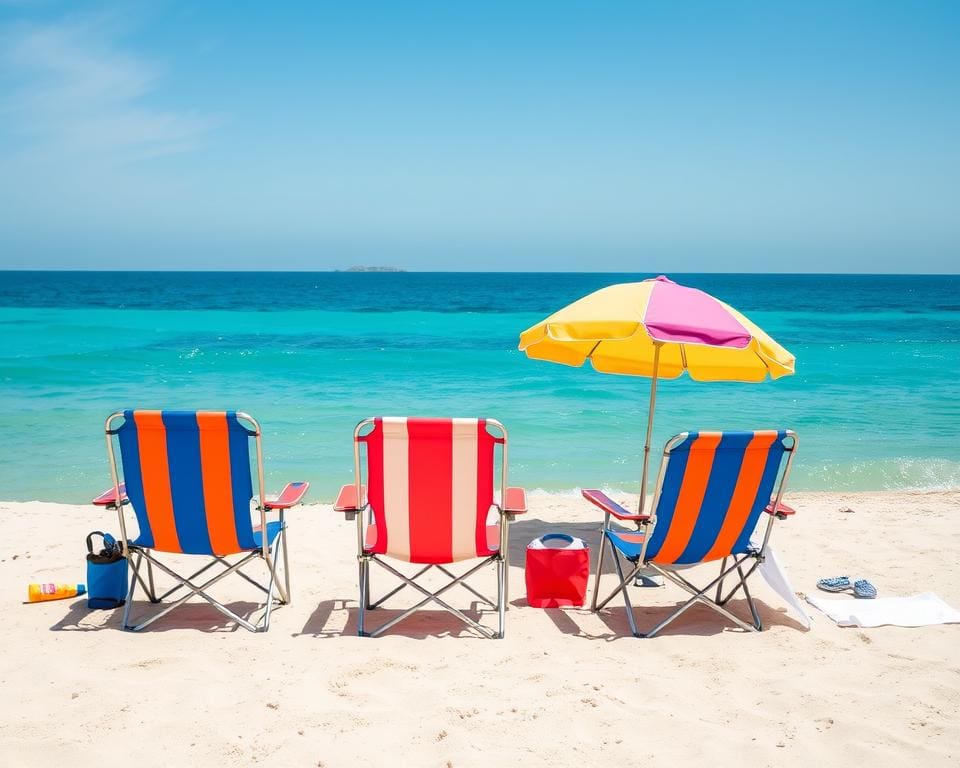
(710, 493)
(187, 476)
(429, 499)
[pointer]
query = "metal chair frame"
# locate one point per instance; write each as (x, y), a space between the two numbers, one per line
(270, 552)
(744, 565)
(364, 517)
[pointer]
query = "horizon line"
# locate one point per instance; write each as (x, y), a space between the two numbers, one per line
(402, 271)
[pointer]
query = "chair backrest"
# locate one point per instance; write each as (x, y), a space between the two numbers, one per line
(430, 486)
(712, 488)
(187, 476)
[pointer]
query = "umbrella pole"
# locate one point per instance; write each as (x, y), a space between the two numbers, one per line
(646, 446)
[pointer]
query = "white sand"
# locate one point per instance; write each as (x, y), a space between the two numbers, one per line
(564, 687)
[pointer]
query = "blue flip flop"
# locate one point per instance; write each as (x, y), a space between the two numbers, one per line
(864, 589)
(836, 584)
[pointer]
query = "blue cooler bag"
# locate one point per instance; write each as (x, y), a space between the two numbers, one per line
(106, 573)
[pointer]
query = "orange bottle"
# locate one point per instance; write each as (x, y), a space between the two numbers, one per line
(37, 593)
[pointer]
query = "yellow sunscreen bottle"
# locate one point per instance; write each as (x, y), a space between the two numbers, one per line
(37, 593)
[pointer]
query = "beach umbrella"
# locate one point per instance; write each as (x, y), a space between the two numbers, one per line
(657, 328)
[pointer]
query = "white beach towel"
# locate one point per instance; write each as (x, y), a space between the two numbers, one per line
(918, 611)
(776, 577)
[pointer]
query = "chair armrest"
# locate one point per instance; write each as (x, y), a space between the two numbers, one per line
(782, 512)
(608, 505)
(515, 502)
(109, 498)
(347, 499)
(290, 496)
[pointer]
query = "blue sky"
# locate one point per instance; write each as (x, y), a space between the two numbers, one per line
(458, 136)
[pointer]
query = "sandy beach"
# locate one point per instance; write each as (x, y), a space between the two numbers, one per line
(565, 687)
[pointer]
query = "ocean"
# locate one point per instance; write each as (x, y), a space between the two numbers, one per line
(875, 399)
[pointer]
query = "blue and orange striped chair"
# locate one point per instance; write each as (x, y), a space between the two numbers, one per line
(187, 475)
(711, 491)
(429, 499)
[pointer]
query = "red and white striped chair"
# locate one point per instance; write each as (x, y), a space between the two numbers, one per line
(428, 498)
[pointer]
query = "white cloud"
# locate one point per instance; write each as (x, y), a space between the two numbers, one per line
(77, 94)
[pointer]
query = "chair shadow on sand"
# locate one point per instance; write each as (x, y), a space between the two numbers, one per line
(423, 624)
(699, 620)
(201, 617)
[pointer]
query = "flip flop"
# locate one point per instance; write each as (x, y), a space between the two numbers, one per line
(836, 584)
(864, 589)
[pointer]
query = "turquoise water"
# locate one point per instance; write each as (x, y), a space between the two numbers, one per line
(876, 397)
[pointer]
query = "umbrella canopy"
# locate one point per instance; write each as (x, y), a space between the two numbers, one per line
(659, 329)
(624, 328)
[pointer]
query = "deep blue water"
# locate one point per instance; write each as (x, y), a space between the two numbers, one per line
(876, 397)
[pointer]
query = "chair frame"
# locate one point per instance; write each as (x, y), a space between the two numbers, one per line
(363, 513)
(271, 553)
(742, 566)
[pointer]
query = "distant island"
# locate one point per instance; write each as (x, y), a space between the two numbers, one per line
(373, 269)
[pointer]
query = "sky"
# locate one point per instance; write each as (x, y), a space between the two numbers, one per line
(557, 136)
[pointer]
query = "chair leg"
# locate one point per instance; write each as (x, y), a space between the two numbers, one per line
(506, 579)
(264, 625)
(596, 581)
(137, 576)
(370, 604)
(741, 581)
(757, 621)
(153, 590)
(624, 588)
(364, 563)
(130, 590)
(502, 593)
(287, 594)
(623, 582)
(273, 560)
(723, 568)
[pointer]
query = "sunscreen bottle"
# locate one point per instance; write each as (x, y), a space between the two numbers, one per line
(37, 593)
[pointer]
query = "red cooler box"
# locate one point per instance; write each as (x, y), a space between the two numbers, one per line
(557, 569)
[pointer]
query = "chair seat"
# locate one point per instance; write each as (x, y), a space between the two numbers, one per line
(273, 530)
(629, 543)
(493, 537)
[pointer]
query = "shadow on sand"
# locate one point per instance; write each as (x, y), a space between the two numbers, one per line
(698, 620)
(201, 617)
